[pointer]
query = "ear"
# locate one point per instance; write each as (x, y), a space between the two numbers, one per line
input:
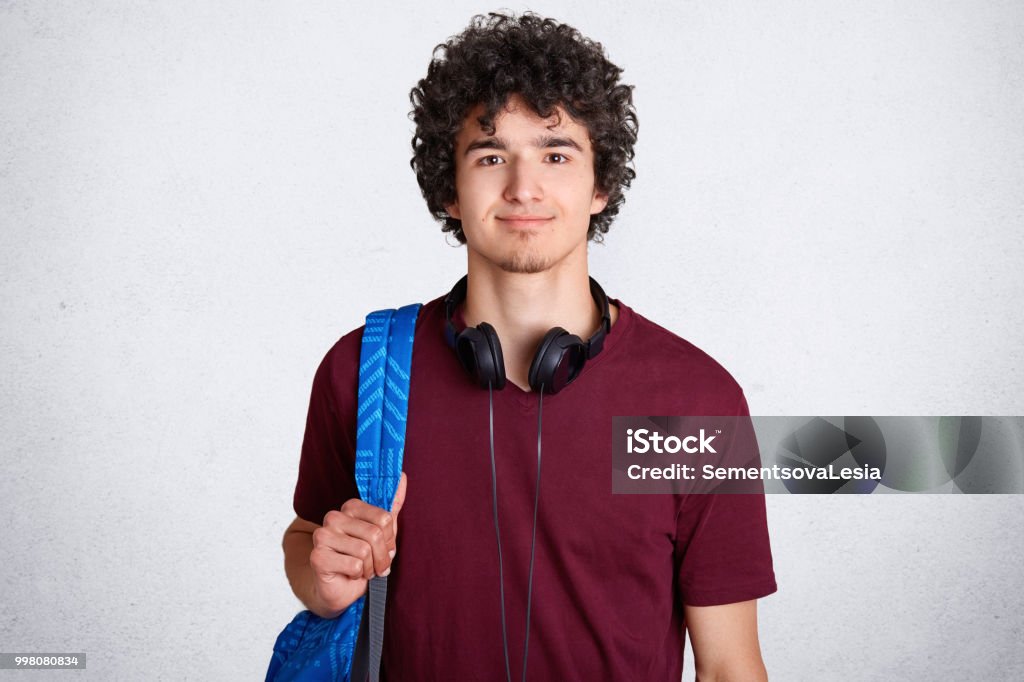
(598, 203)
(453, 210)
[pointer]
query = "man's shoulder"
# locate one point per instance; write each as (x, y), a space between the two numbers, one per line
(345, 351)
(680, 360)
(661, 340)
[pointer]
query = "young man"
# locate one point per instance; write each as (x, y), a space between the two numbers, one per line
(508, 564)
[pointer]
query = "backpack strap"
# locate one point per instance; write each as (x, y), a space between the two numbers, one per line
(385, 364)
(349, 647)
(370, 414)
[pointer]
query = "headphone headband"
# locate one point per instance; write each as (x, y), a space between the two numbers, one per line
(558, 360)
(596, 342)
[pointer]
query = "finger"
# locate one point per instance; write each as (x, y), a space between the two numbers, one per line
(380, 540)
(396, 504)
(329, 565)
(361, 511)
(358, 509)
(346, 545)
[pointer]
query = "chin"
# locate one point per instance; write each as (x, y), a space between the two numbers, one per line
(525, 263)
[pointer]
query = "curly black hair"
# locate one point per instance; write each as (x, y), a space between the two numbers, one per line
(548, 65)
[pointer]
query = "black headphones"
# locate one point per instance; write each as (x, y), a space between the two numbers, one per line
(558, 360)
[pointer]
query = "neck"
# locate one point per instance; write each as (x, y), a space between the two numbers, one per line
(523, 307)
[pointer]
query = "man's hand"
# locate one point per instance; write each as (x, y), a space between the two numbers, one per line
(329, 565)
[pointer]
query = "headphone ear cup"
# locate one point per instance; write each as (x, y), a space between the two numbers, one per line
(467, 343)
(558, 361)
(496, 360)
(479, 353)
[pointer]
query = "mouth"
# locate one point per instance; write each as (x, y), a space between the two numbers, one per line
(523, 220)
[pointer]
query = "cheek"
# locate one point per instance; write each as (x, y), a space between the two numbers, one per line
(476, 197)
(473, 211)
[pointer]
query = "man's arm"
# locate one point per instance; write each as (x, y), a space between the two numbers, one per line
(298, 546)
(725, 644)
(328, 566)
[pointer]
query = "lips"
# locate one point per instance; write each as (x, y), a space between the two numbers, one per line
(524, 219)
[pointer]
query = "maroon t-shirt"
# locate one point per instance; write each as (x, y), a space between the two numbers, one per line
(611, 573)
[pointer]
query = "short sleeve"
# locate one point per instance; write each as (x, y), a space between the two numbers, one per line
(326, 465)
(722, 546)
(726, 554)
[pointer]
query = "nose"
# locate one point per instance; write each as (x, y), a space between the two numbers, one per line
(523, 185)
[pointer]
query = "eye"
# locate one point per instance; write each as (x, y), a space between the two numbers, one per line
(491, 160)
(558, 158)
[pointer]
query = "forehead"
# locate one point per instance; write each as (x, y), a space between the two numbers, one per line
(516, 116)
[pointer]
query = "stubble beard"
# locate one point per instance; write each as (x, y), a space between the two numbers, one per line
(525, 263)
(525, 259)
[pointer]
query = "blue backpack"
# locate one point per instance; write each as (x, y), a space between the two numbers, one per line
(315, 649)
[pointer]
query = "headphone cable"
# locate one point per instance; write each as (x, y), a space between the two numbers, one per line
(533, 540)
(497, 532)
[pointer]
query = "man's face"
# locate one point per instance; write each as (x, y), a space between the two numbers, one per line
(525, 193)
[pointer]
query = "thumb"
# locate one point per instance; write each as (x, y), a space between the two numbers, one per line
(396, 504)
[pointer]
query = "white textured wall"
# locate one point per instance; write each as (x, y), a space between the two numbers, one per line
(196, 200)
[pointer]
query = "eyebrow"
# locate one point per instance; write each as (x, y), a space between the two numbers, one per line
(542, 142)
